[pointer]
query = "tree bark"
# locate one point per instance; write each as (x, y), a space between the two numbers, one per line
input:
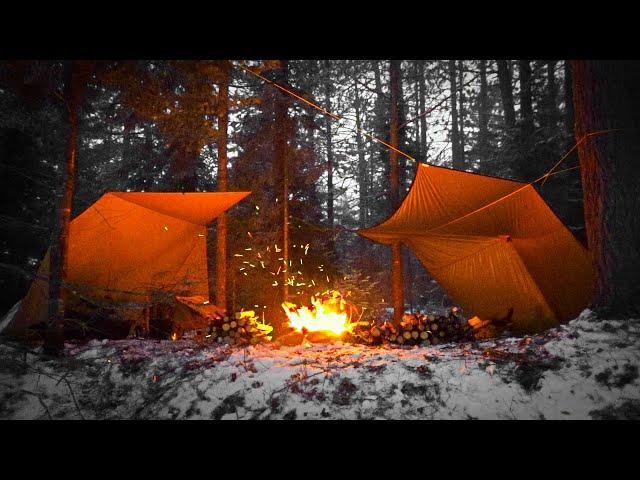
(506, 93)
(606, 95)
(328, 120)
(456, 156)
(75, 82)
(396, 249)
(221, 231)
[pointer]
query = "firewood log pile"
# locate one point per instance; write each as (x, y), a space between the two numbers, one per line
(420, 329)
(244, 328)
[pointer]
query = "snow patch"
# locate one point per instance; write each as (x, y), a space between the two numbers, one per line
(587, 368)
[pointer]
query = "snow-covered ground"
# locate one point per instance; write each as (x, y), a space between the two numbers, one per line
(585, 369)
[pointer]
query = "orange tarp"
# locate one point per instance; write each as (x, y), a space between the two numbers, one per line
(492, 244)
(129, 246)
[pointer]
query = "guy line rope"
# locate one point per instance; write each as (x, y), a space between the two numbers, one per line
(324, 111)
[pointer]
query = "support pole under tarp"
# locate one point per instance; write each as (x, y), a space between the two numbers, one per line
(394, 180)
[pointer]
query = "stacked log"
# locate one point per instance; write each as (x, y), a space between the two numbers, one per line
(420, 329)
(244, 328)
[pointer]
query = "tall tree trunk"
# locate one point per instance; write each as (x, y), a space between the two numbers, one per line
(456, 155)
(380, 121)
(144, 178)
(363, 191)
(328, 120)
(410, 278)
(184, 163)
(281, 153)
(394, 74)
(506, 93)
(75, 81)
(402, 160)
(127, 151)
(371, 179)
(526, 109)
(552, 94)
(606, 95)
(483, 113)
(568, 99)
(423, 118)
(416, 111)
(396, 248)
(221, 231)
(461, 112)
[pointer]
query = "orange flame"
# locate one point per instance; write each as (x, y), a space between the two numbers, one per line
(327, 316)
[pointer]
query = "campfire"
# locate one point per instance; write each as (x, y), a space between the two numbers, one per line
(327, 315)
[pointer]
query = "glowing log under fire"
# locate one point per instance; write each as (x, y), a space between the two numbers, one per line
(325, 317)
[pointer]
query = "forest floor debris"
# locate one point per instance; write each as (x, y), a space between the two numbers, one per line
(585, 369)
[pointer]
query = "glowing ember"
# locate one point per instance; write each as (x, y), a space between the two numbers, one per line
(326, 314)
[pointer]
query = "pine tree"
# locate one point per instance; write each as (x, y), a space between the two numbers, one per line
(568, 116)
(76, 76)
(330, 157)
(526, 109)
(457, 157)
(363, 181)
(394, 184)
(606, 95)
(422, 112)
(506, 92)
(221, 231)
(483, 113)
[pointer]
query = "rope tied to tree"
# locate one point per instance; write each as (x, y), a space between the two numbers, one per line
(551, 172)
(326, 112)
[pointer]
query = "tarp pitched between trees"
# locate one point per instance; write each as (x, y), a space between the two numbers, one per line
(492, 244)
(129, 246)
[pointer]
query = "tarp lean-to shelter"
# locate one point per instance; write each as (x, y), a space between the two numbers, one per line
(493, 244)
(129, 246)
